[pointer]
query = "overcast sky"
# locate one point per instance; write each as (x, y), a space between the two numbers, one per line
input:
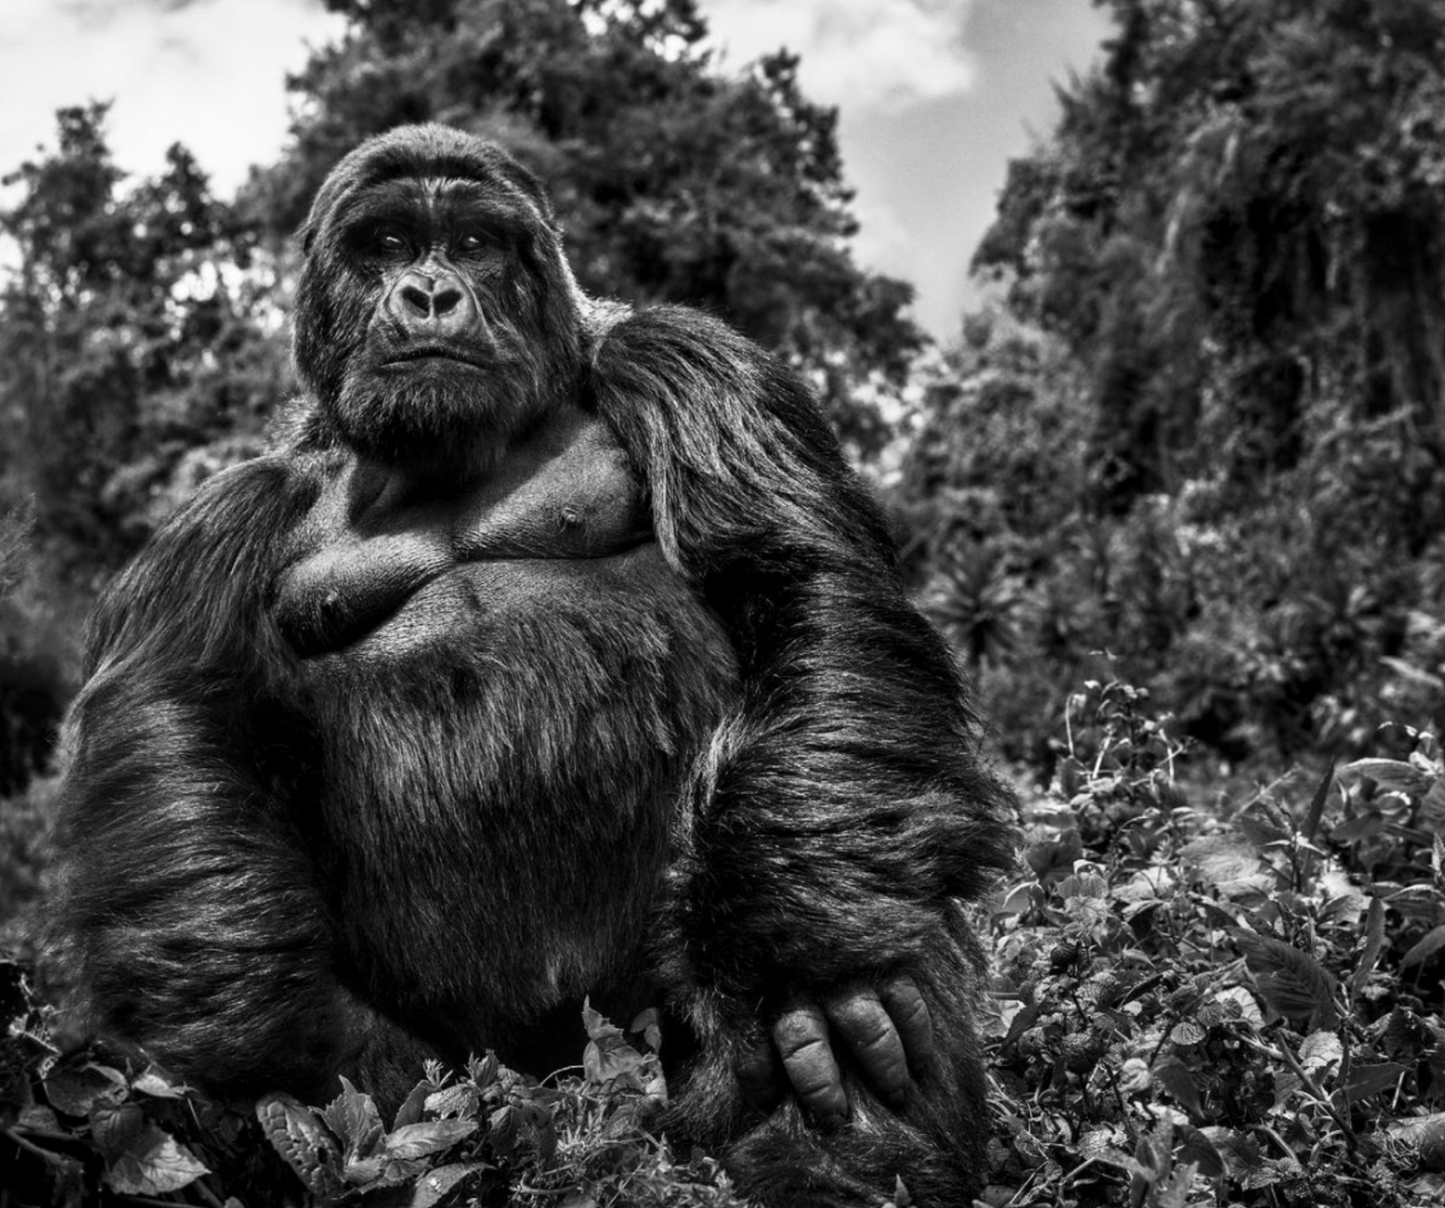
(935, 96)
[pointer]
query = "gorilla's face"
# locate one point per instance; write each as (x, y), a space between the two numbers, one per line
(436, 318)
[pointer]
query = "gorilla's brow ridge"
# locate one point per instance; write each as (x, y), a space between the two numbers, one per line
(478, 168)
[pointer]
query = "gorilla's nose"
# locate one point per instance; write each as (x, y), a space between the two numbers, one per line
(426, 305)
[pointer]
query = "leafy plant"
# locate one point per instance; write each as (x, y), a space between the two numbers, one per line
(1211, 1006)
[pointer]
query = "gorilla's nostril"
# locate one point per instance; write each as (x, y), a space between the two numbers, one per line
(417, 299)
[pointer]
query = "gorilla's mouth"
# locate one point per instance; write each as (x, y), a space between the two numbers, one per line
(431, 352)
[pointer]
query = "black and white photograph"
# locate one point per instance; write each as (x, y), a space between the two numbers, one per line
(722, 603)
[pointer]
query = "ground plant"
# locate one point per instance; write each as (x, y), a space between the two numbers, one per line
(1194, 1002)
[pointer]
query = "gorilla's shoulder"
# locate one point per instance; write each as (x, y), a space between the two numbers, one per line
(665, 328)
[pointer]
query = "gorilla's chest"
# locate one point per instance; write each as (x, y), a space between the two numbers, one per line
(529, 617)
(387, 564)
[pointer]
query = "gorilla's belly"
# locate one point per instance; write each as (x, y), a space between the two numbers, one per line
(546, 713)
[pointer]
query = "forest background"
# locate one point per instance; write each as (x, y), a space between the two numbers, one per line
(1195, 445)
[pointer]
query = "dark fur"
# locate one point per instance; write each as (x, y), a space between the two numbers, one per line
(324, 813)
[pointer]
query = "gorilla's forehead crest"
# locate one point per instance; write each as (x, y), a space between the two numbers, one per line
(410, 152)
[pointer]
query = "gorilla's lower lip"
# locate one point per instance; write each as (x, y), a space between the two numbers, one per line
(412, 355)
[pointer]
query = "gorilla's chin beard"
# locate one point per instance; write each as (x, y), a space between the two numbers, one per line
(438, 418)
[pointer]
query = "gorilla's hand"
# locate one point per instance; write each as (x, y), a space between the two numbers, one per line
(885, 1031)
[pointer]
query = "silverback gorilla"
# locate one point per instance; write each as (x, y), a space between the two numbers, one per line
(553, 650)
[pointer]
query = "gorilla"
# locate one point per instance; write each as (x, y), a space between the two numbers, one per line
(551, 650)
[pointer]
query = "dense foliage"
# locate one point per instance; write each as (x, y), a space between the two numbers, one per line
(1196, 1001)
(1204, 431)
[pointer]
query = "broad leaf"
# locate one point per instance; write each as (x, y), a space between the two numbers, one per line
(1367, 1080)
(1374, 942)
(155, 1165)
(1321, 1051)
(353, 1117)
(1432, 942)
(75, 1092)
(1291, 982)
(300, 1136)
(419, 1140)
(1392, 775)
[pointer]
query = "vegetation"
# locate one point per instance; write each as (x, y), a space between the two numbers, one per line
(1202, 430)
(1194, 444)
(1194, 1003)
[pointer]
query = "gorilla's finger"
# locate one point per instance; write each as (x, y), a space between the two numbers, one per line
(859, 1018)
(801, 1035)
(761, 1076)
(908, 1009)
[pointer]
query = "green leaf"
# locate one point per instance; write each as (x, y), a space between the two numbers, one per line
(1053, 859)
(1263, 823)
(1199, 1149)
(1432, 942)
(1321, 1051)
(1432, 807)
(1239, 1151)
(419, 1140)
(352, 1117)
(1427, 1133)
(75, 1091)
(154, 1083)
(1233, 868)
(1392, 775)
(1291, 982)
(1374, 942)
(434, 1185)
(412, 1106)
(1365, 826)
(1105, 1144)
(454, 1101)
(300, 1136)
(1186, 1032)
(156, 1165)
(1249, 1011)
(1174, 1076)
(649, 1023)
(116, 1127)
(1367, 1080)
(363, 1171)
(1317, 805)
(504, 1131)
(608, 1057)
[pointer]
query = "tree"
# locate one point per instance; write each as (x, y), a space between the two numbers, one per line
(126, 338)
(1235, 224)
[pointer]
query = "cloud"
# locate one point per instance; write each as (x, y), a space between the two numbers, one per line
(207, 73)
(858, 53)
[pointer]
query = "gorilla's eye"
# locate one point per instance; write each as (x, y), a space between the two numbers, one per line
(472, 242)
(384, 239)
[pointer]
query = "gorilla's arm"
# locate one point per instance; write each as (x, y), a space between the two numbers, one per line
(826, 846)
(187, 917)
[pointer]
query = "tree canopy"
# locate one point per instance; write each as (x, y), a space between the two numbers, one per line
(1219, 381)
(1238, 216)
(129, 337)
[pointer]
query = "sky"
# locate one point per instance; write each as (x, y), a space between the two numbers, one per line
(934, 97)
